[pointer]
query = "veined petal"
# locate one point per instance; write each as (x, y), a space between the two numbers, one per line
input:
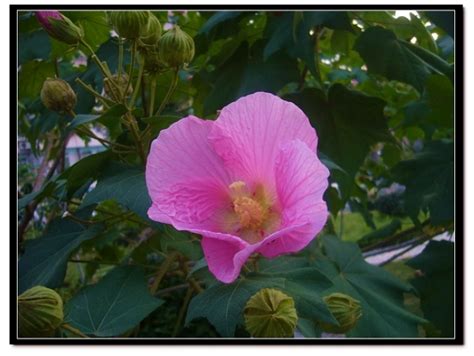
(225, 254)
(186, 179)
(301, 180)
(248, 133)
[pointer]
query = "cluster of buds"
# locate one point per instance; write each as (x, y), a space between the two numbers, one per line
(57, 95)
(60, 27)
(40, 312)
(345, 309)
(270, 313)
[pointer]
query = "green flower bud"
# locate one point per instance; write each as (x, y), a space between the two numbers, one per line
(40, 312)
(112, 91)
(60, 27)
(151, 33)
(129, 24)
(176, 47)
(57, 95)
(270, 313)
(345, 309)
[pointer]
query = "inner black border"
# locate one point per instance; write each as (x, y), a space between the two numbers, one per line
(459, 184)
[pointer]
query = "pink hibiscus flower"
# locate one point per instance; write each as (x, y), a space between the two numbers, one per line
(248, 182)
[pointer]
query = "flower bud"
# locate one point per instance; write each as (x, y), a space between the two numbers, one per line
(129, 24)
(270, 313)
(40, 312)
(57, 95)
(60, 27)
(345, 309)
(176, 47)
(151, 33)
(112, 91)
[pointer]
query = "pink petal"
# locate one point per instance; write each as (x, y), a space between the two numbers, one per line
(248, 132)
(301, 180)
(186, 179)
(225, 255)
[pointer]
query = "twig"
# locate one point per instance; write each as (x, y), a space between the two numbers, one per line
(182, 310)
(160, 273)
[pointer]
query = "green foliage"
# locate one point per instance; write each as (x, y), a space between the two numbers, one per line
(429, 180)
(380, 293)
(124, 184)
(435, 285)
(222, 304)
(114, 305)
(382, 104)
(346, 121)
(45, 259)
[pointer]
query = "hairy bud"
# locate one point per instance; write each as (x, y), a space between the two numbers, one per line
(345, 309)
(40, 312)
(129, 24)
(176, 47)
(57, 95)
(60, 27)
(270, 313)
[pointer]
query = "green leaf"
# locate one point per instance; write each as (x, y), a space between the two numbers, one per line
(45, 259)
(124, 184)
(46, 190)
(31, 77)
(86, 169)
(34, 45)
(110, 119)
(429, 181)
(242, 75)
(117, 303)
(222, 304)
(386, 55)
(182, 242)
(380, 293)
(436, 284)
(348, 123)
(217, 18)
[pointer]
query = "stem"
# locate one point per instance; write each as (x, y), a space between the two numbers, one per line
(104, 70)
(134, 130)
(74, 331)
(130, 71)
(103, 141)
(105, 101)
(317, 33)
(152, 96)
(30, 208)
(182, 311)
(160, 273)
(171, 89)
(120, 57)
(141, 68)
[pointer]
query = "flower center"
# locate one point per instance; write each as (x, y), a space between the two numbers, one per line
(251, 213)
(252, 217)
